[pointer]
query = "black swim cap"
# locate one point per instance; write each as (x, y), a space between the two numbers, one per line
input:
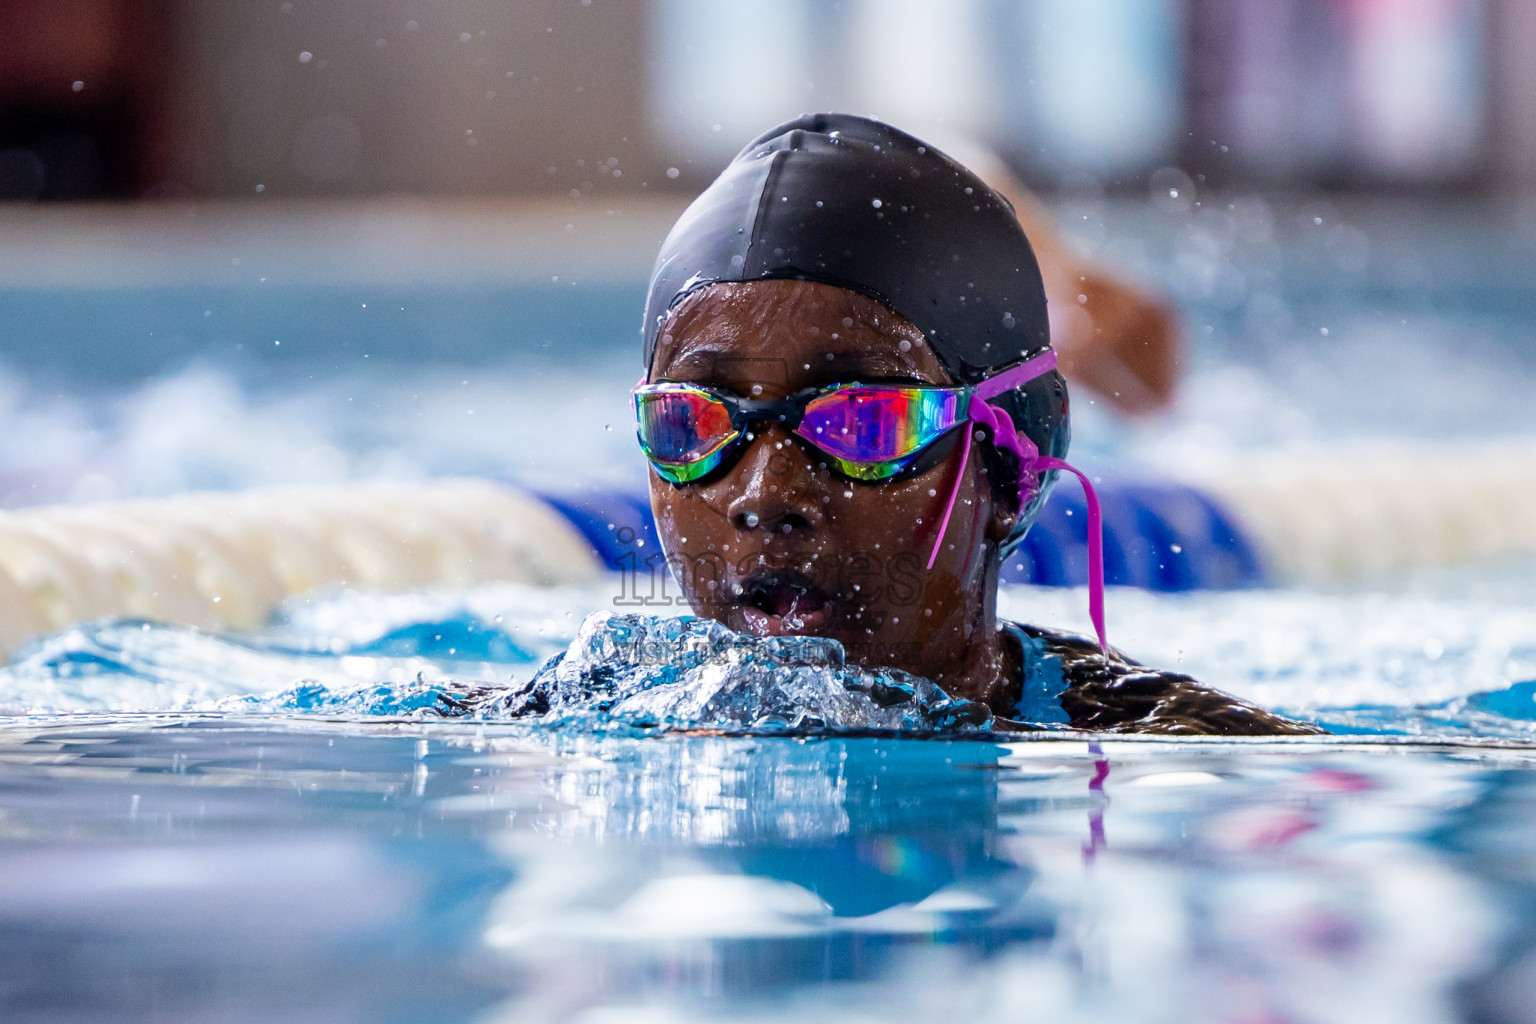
(852, 202)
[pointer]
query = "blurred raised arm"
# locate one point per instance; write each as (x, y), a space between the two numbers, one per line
(1121, 341)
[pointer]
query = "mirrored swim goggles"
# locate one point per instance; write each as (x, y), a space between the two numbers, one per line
(867, 432)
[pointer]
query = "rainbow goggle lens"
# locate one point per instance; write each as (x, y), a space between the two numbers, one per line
(865, 431)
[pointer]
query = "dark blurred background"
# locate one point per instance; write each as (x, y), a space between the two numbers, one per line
(178, 98)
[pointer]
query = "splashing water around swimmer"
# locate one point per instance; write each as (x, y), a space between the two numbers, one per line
(623, 671)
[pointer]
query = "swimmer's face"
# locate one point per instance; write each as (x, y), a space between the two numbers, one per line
(776, 543)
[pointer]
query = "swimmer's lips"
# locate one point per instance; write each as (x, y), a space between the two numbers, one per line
(775, 603)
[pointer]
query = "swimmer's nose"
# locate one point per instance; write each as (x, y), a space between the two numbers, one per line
(775, 485)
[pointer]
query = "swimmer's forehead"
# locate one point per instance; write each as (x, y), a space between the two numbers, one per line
(787, 335)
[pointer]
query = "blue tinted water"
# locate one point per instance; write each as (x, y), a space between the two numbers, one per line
(297, 833)
(1449, 656)
(198, 868)
(57, 333)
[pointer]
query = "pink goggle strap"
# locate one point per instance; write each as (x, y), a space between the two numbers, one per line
(1006, 436)
(954, 492)
(1095, 546)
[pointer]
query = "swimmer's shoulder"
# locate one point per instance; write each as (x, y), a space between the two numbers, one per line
(1118, 694)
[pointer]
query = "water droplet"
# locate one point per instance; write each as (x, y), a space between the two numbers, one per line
(757, 389)
(673, 172)
(876, 204)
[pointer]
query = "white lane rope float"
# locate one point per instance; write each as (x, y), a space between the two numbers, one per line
(1356, 511)
(225, 560)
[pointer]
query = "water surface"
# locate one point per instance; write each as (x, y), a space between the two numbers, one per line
(200, 868)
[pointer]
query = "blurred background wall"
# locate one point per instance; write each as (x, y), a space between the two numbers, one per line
(147, 98)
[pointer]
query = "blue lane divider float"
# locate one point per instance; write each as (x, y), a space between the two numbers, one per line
(1165, 537)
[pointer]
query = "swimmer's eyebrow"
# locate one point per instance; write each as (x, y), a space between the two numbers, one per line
(702, 359)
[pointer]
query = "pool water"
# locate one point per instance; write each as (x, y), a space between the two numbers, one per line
(1446, 656)
(282, 827)
(250, 869)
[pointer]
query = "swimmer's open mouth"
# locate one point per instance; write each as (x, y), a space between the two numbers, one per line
(778, 603)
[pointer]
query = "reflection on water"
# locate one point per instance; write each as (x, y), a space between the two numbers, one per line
(205, 868)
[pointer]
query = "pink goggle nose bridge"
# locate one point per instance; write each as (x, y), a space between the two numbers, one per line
(1003, 434)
